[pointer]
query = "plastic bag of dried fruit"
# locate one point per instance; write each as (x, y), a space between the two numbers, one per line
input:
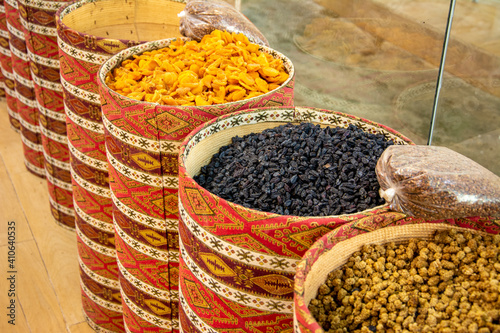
(201, 17)
(436, 183)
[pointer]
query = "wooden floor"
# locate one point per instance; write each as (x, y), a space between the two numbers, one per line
(47, 290)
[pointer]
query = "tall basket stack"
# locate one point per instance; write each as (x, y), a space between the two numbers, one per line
(38, 20)
(7, 74)
(237, 264)
(2, 90)
(89, 32)
(143, 142)
(25, 93)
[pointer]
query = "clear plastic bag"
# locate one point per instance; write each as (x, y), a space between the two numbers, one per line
(201, 17)
(436, 183)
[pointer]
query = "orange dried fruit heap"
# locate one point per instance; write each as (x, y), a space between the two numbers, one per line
(223, 67)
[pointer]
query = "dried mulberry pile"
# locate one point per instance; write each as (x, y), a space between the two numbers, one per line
(448, 284)
(301, 170)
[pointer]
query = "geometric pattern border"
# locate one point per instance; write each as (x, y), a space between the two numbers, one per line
(34, 146)
(166, 256)
(90, 161)
(82, 122)
(81, 54)
(48, 62)
(81, 93)
(105, 304)
(252, 258)
(51, 114)
(138, 176)
(131, 139)
(61, 208)
(94, 246)
(41, 4)
(57, 163)
(105, 192)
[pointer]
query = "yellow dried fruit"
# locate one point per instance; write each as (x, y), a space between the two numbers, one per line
(223, 67)
(417, 287)
(246, 79)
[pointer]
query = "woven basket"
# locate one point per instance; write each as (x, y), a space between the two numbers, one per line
(237, 264)
(89, 32)
(25, 94)
(353, 50)
(6, 69)
(38, 20)
(2, 90)
(3, 26)
(142, 144)
(334, 249)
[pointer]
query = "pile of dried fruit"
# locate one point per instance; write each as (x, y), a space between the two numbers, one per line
(223, 67)
(301, 170)
(448, 284)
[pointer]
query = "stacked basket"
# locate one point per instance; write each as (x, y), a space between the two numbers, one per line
(79, 62)
(38, 21)
(6, 68)
(26, 100)
(142, 142)
(334, 249)
(237, 264)
(2, 90)
(89, 32)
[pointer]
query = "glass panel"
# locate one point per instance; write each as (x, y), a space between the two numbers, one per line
(468, 114)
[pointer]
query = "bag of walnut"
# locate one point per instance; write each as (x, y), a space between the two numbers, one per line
(201, 17)
(408, 275)
(436, 182)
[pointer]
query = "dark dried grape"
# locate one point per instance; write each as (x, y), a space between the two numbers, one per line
(302, 170)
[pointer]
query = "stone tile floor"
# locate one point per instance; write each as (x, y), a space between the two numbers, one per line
(468, 118)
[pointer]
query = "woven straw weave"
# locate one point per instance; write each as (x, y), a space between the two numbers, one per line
(26, 102)
(237, 264)
(89, 32)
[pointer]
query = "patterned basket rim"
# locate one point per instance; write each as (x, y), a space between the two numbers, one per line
(115, 61)
(191, 137)
(363, 68)
(328, 241)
